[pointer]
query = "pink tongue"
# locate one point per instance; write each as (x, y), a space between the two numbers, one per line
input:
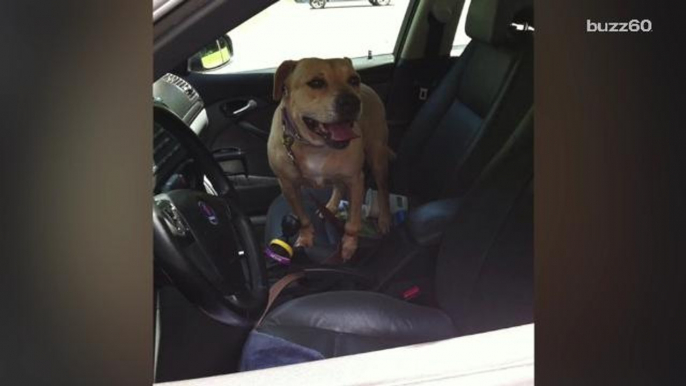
(341, 131)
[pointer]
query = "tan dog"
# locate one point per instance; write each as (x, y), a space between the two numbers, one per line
(326, 125)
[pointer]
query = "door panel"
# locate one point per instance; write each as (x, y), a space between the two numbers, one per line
(224, 94)
(216, 87)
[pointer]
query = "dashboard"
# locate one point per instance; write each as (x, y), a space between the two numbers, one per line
(172, 169)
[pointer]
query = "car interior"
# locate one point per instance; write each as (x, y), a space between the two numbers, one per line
(461, 262)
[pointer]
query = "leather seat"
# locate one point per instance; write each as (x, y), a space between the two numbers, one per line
(348, 322)
(483, 281)
(474, 109)
(465, 121)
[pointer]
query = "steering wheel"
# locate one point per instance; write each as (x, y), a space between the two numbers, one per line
(204, 243)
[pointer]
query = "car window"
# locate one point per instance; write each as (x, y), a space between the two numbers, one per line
(461, 39)
(294, 29)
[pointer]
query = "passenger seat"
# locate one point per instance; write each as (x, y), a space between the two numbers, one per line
(475, 108)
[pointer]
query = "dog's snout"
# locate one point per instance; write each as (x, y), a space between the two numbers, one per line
(348, 105)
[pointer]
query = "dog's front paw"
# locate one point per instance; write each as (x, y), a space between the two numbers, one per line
(384, 223)
(348, 247)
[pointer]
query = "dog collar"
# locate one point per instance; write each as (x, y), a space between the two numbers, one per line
(288, 144)
(290, 134)
(289, 129)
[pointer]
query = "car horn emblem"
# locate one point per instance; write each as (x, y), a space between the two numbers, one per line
(208, 212)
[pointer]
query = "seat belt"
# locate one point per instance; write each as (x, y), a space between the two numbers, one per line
(278, 287)
(335, 257)
(434, 37)
(326, 213)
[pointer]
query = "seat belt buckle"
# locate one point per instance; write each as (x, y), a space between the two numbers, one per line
(411, 293)
(423, 93)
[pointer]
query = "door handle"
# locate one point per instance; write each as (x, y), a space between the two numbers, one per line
(236, 109)
(251, 105)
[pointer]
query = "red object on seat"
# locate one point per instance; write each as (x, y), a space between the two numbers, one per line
(411, 293)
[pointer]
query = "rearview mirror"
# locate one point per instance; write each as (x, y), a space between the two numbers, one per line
(214, 55)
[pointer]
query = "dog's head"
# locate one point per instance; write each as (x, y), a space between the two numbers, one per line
(322, 99)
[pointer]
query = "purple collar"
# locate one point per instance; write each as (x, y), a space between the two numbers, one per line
(289, 128)
(290, 135)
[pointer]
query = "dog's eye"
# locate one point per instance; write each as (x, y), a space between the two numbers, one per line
(354, 81)
(316, 83)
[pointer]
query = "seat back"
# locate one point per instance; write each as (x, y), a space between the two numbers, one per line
(494, 72)
(484, 271)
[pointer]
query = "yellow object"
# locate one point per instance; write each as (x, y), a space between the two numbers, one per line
(215, 59)
(284, 245)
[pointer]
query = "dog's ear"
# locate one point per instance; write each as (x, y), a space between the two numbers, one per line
(350, 62)
(280, 76)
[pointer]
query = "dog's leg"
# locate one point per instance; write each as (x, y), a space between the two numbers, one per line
(335, 199)
(354, 223)
(379, 166)
(294, 197)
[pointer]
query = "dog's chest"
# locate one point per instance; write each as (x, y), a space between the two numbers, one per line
(320, 170)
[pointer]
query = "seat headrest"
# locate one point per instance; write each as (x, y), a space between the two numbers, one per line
(489, 20)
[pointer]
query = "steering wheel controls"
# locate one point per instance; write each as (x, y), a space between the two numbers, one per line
(171, 216)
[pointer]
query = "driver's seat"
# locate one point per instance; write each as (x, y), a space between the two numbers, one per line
(483, 281)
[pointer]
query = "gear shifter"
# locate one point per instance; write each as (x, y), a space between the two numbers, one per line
(279, 249)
